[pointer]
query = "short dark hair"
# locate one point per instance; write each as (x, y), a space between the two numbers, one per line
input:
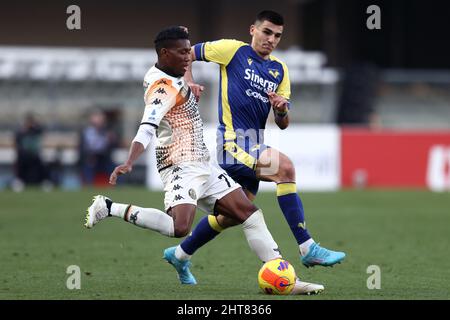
(270, 16)
(165, 37)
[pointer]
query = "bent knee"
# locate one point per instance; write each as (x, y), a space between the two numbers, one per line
(286, 171)
(181, 231)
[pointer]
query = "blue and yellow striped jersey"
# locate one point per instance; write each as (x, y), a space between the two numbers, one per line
(245, 79)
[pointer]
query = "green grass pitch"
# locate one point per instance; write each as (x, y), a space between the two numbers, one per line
(405, 233)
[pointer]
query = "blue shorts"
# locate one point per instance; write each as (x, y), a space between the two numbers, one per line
(239, 161)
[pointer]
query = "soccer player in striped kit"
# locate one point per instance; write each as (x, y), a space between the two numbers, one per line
(252, 83)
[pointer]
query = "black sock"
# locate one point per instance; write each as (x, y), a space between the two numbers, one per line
(108, 205)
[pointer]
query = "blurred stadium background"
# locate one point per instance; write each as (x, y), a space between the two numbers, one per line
(390, 81)
(370, 108)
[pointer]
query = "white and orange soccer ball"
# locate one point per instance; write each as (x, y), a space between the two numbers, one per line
(277, 277)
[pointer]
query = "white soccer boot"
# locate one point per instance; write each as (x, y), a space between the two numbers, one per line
(306, 288)
(97, 211)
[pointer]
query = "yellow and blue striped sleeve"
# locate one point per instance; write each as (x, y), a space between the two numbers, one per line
(220, 51)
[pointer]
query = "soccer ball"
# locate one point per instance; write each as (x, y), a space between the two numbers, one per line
(277, 277)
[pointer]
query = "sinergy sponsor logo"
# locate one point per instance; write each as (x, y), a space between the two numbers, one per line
(267, 85)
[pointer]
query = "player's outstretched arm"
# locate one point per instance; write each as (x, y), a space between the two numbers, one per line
(136, 150)
(138, 145)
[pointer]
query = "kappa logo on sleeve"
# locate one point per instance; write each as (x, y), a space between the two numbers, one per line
(162, 81)
(161, 91)
(156, 101)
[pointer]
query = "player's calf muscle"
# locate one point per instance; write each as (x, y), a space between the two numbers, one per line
(183, 217)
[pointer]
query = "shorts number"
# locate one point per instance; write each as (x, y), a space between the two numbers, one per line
(226, 180)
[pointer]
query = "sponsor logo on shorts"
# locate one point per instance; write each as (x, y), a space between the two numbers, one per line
(192, 194)
(175, 170)
(178, 197)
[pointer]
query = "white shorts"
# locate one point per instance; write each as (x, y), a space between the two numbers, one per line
(197, 183)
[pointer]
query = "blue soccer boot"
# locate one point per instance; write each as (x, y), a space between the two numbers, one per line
(182, 267)
(321, 256)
